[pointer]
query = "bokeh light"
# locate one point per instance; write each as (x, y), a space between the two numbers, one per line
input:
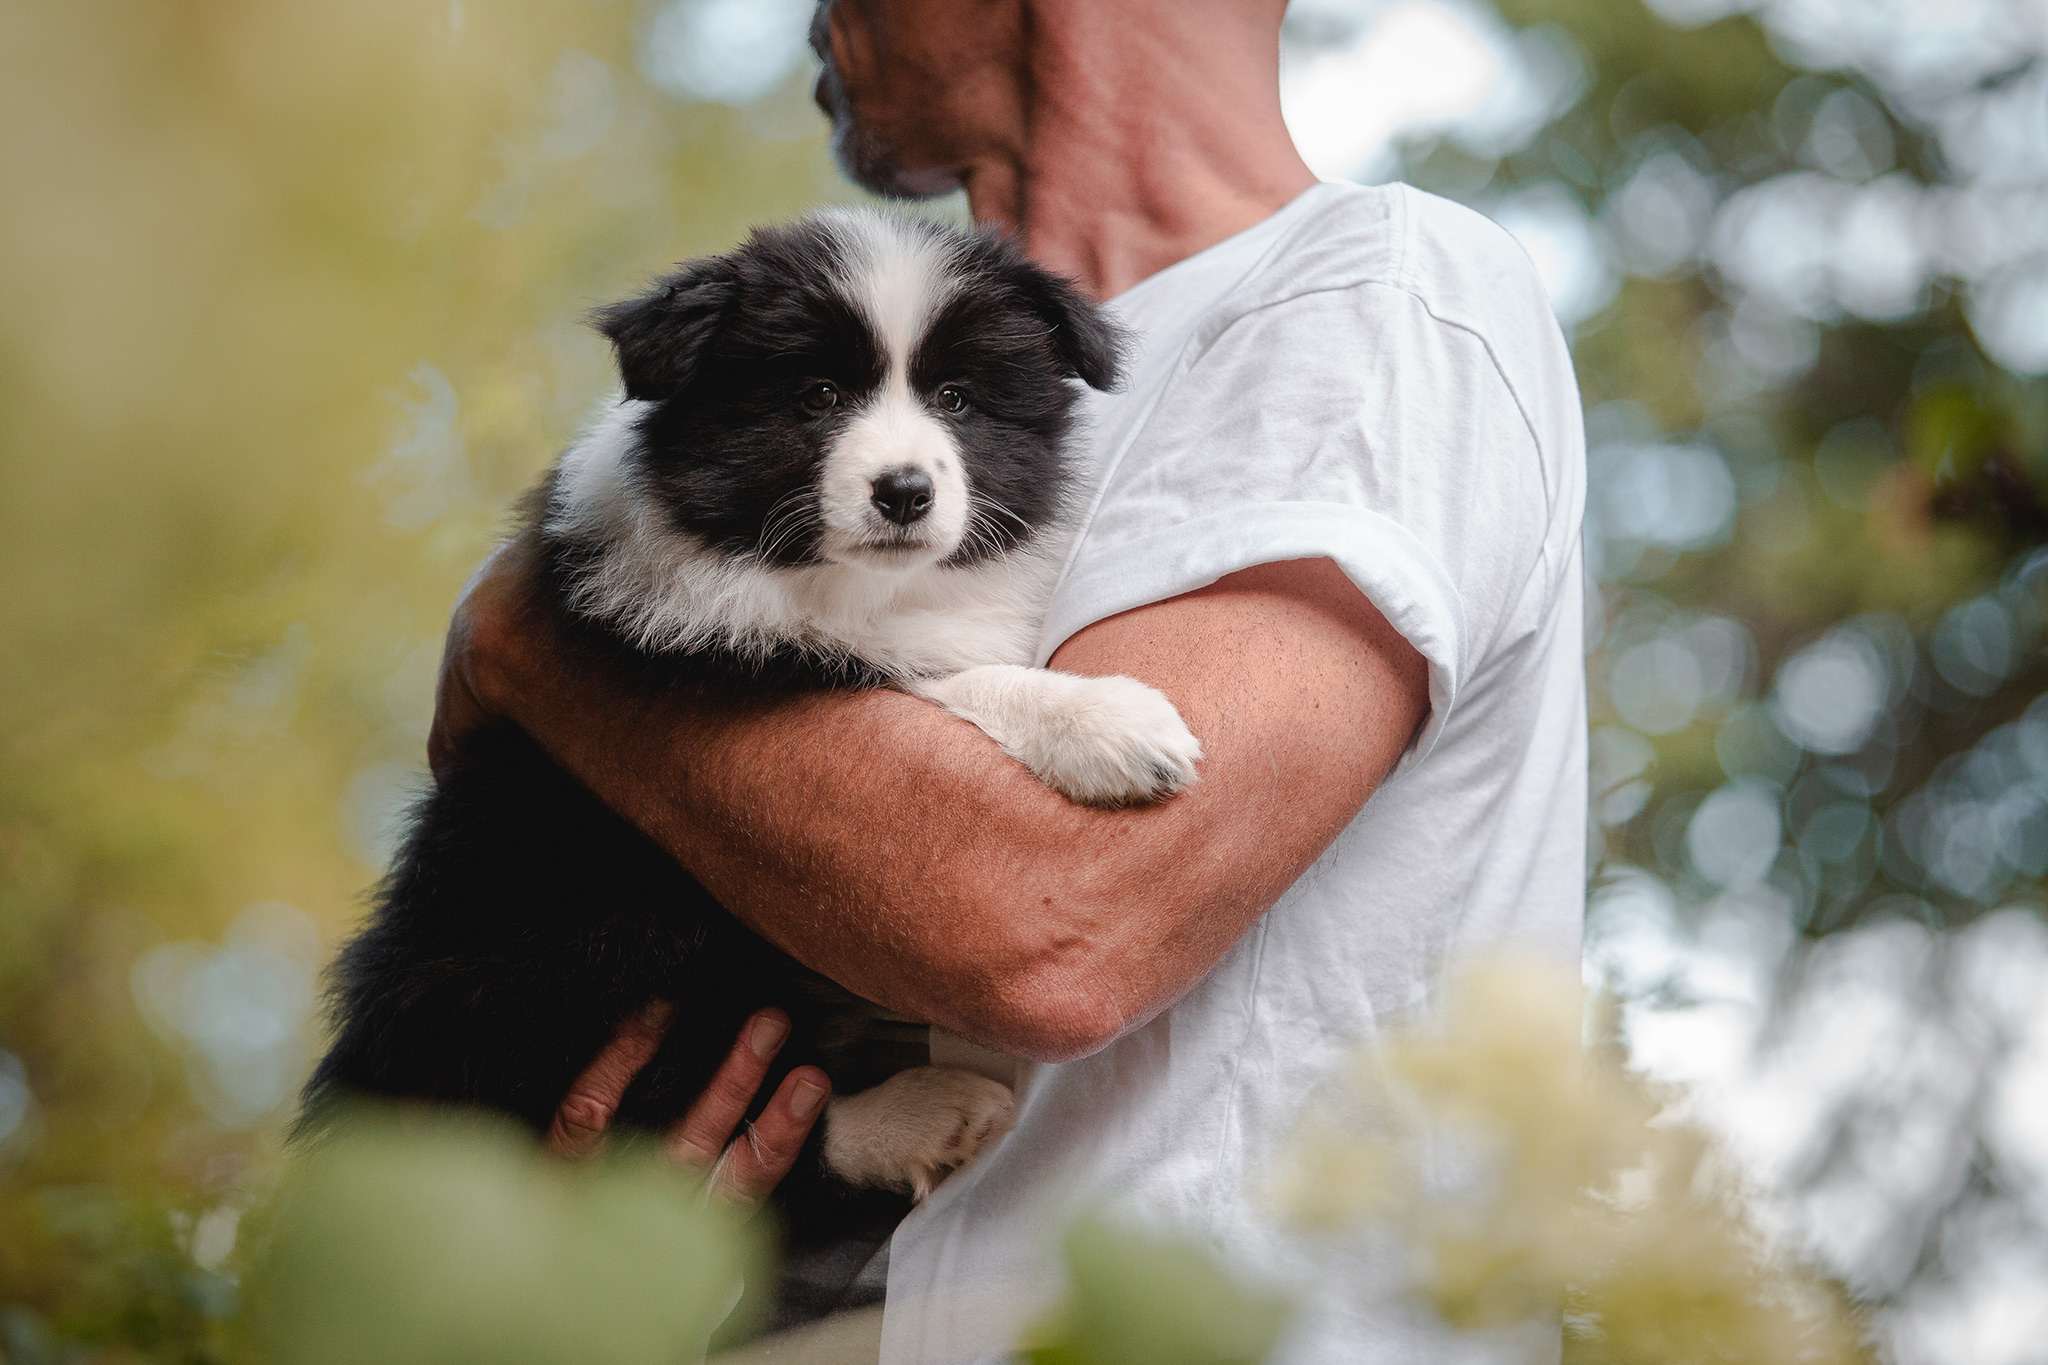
(1800, 250)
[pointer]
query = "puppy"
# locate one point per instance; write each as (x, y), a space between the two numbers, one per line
(839, 460)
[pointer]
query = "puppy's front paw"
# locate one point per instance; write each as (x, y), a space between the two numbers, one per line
(1099, 741)
(914, 1129)
(1110, 742)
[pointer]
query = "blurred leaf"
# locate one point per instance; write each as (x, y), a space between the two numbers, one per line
(291, 304)
(431, 1240)
(1142, 1300)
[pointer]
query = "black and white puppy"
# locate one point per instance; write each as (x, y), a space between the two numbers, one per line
(839, 460)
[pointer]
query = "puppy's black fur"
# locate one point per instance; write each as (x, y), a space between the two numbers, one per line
(523, 921)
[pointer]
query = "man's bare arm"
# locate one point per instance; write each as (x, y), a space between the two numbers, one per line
(896, 849)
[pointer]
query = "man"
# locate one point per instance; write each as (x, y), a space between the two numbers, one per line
(1334, 516)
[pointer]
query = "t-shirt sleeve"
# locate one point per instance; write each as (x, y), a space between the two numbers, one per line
(1352, 424)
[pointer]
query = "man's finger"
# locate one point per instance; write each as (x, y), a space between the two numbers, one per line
(764, 1153)
(701, 1136)
(586, 1111)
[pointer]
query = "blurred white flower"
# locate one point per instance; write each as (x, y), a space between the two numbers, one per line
(1864, 1083)
(1906, 44)
(1812, 245)
(1880, 268)
(1776, 346)
(1619, 759)
(1849, 137)
(1777, 239)
(1657, 686)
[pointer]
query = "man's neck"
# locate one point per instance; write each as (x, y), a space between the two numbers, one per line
(1123, 172)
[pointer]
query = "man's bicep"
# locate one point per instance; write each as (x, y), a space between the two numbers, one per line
(1304, 698)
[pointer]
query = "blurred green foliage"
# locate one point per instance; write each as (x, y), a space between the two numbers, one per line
(290, 308)
(1894, 478)
(1138, 1299)
(431, 1239)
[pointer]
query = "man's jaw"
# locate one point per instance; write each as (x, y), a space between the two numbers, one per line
(866, 156)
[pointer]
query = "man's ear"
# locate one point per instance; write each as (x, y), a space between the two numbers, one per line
(1088, 342)
(662, 336)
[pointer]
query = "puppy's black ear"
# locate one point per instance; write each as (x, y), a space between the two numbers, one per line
(1087, 340)
(662, 336)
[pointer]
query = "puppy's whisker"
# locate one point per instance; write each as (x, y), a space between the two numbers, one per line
(790, 530)
(982, 505)
(982, 535)
(985, 500)
(790, 515)
(793, 497)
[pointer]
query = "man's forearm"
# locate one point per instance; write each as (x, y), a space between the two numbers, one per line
(898, 850)
(881, 841)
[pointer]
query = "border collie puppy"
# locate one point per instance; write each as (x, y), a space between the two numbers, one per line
(839, 460)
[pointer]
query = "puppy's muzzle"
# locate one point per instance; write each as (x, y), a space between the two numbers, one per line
(903, 495)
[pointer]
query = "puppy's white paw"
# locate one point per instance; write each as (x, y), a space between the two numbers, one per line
(1099, 741)
(914, 1129)
(1109, 742)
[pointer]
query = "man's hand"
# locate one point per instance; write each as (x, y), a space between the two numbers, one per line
(743, 1171)
(490, 621)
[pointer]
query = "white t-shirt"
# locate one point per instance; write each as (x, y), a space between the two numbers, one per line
(1372, 376)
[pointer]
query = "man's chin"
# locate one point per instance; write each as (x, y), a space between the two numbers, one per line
(869, 162)
(867, 158)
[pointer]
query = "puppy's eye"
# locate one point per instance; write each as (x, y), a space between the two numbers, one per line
(952, 400)
(820, 398)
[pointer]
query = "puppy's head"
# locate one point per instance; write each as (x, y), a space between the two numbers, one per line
(859, 389)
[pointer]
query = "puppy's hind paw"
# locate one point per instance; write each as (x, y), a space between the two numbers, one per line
(914, 1129)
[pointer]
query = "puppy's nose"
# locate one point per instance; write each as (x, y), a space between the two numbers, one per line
(903, 495)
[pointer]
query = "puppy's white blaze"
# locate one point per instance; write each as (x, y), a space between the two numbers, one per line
(897, 274)
(893, 431)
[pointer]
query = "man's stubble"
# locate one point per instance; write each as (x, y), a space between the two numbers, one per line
(865, 155)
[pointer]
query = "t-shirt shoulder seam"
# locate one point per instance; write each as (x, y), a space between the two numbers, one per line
(1405, 234)
(1188, 362)
(1500, 370)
